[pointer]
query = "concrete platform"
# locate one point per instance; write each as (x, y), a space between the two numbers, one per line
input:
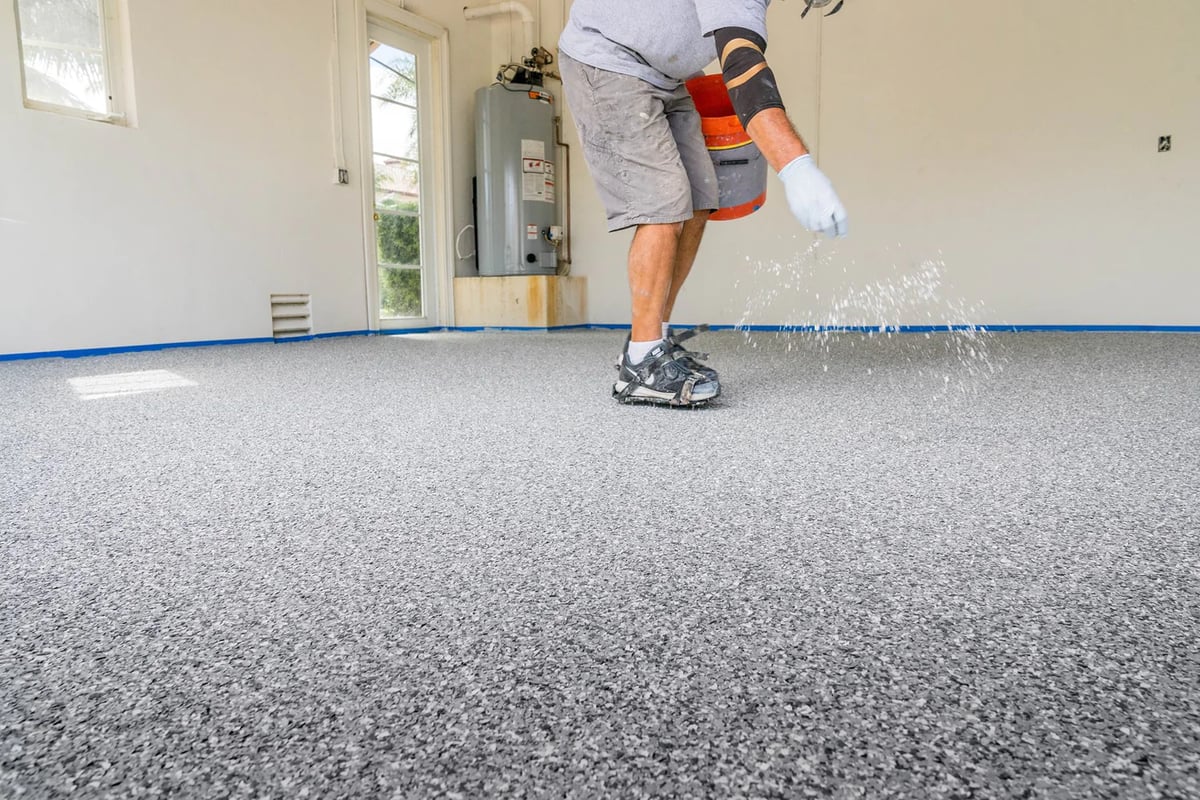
(520, 301)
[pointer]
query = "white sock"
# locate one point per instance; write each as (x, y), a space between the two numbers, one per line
(666, 329)
(639, 350)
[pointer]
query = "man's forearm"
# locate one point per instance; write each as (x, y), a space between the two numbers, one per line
(776, 137)
(755, 95)
(758, 104)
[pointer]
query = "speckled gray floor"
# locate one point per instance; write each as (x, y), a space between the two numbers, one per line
(451, 565)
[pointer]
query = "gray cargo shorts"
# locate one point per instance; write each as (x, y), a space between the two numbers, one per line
(643, 146)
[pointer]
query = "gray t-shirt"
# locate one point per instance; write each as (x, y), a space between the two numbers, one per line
(664, 42)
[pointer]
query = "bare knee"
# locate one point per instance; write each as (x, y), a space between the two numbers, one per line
(698, 221)
(668, 230)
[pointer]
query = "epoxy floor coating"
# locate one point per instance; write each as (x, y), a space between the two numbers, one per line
(450, 565)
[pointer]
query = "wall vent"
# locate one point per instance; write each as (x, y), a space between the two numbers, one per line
(291, 317)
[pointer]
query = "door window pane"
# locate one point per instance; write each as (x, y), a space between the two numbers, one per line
(399, 239)
(393, 74)
(395, 129)
(399, 292)
(397, 185)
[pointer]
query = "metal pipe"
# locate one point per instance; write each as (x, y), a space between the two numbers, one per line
(566, 196)
(506, 7)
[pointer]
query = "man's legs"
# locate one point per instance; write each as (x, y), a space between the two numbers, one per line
(630, 132)
(660, 259)
(685, 257)
(653, 262)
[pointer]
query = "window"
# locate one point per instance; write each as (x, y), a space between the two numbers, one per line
(396, 147)
(73, 57)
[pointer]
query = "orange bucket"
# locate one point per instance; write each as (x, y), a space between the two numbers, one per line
(741, 168)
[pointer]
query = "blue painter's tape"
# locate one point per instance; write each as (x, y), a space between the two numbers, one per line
(342, 334)
(144, 348)
(518, 329)
(135, 348)
(939, 328)
(403, 331)
(1092, 328)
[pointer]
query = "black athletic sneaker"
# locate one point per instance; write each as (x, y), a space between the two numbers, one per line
(663, 380)
(689, 359)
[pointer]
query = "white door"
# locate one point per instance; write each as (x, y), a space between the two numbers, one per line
(402, 263)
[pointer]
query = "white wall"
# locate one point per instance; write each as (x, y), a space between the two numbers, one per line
(1016, 143)
(1021, 141)
(180, 228)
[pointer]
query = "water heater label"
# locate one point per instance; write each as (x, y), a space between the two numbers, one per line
(538, 184)
(533, 148)
(531, 232)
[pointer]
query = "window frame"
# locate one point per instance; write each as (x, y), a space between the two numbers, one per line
(114, 46)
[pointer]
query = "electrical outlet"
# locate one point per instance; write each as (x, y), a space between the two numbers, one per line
(1164, 144)
(343, 176)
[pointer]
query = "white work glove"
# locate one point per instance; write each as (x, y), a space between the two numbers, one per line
(812, 198)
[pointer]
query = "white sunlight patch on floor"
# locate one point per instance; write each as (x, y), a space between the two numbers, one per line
(98, 387)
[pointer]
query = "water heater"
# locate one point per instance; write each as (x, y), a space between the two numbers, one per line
(516, 180)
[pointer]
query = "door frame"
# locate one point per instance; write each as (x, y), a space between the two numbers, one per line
(439, 305)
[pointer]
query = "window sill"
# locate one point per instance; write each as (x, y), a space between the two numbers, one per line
(78, 113)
